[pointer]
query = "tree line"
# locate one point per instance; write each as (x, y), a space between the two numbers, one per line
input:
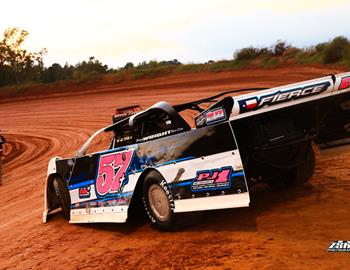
(336, 51)
(18, 65)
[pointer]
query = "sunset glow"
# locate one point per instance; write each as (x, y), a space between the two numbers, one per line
(116, 32)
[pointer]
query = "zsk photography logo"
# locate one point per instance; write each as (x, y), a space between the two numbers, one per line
(339, 246)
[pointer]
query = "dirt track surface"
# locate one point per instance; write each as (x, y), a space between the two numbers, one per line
(280, 230)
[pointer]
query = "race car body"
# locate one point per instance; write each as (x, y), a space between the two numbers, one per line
(156, 159)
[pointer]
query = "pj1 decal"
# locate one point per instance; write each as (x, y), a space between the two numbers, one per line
(112, 169)
(255, 103)
(345, 83)
(212, 179)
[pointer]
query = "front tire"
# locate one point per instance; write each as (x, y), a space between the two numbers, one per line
(158, 201)
(159, 205)
(63, 196)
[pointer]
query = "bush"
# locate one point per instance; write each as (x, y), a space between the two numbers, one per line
(129, 65)
(83, 77)
(191, 68)
(320, 47)
(248, 53)
(337, 49)
(251, 53)
(152, 72)
(57, 73)
(280, 47)
(291, 52)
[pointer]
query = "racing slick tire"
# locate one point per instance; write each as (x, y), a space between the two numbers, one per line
(63, 196)
(159, 205)
(298, 175)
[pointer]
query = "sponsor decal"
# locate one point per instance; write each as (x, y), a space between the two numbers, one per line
(84, 192)
(112, 169)
(215, 115)
(123, 139)
(158, 135)
(339, 246)
(212, 179)
(281, 96)
(166, 188)
(119, 200)
(210, 117)
(345, 83)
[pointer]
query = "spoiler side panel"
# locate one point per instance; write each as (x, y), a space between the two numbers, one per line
(281, 97)
(330, 95)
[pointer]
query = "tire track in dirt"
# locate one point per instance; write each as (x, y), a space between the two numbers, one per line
(265, 235)
(12, 150)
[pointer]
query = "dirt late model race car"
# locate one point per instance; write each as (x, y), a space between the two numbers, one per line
(157, 160)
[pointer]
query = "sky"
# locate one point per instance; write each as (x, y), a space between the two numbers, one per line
(117, 32)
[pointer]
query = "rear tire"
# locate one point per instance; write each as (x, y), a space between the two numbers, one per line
(159, 205)
(63, 196)
(298, 175)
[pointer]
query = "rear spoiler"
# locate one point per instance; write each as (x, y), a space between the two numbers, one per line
(194, 105)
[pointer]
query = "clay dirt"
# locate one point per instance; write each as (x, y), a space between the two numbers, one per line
(280, 230)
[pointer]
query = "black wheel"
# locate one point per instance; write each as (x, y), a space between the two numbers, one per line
(304, 172)
(159, 205)
(298, 175)
(63, 196)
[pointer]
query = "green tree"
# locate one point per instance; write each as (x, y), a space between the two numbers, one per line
(16, 64)
(280, 47)
(130, 65)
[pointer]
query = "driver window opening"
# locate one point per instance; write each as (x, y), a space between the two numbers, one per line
(151, 124)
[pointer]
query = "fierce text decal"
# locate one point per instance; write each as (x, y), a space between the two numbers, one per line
(255, 103)
(212, 179)
(345, 83)
(111, 175)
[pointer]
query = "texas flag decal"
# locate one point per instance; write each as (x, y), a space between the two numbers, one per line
(251, 103)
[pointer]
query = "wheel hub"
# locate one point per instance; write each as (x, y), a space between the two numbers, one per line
(159, 202)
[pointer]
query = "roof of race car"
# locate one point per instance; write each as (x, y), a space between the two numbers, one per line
(162, 105)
